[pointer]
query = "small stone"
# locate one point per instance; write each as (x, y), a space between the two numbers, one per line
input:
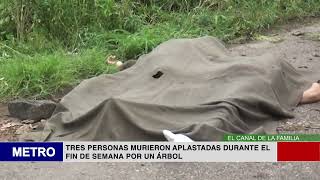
(28, 121)
(31, 109)
(298, 33)
(127, 64)
(33, 127)
(243, 54)
(315, 54)
(7, 125)
(307, 125)
(23, 129)
(279, 129)
(39, 125)
(305, 67)
(294, 57)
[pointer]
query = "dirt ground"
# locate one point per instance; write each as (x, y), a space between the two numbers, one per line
(298, 43)
(8, 125)
(12, 129)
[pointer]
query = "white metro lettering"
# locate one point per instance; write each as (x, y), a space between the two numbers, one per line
(33, 152)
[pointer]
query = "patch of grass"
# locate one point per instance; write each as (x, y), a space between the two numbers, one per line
(42, 75)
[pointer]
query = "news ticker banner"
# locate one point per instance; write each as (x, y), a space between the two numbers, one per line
(231, 150)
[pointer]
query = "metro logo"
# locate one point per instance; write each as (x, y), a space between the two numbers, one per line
(33, 152)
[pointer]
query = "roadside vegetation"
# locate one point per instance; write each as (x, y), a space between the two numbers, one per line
(47, 45)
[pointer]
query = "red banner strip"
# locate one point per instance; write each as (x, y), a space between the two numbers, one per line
(298, 151)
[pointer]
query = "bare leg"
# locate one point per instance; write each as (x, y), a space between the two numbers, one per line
(311, 95)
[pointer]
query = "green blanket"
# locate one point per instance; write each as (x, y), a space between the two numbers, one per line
(189, 86)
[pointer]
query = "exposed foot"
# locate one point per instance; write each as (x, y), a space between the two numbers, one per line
(312, 94)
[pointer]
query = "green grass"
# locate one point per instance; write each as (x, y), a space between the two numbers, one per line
(35, 58)
(42, 75)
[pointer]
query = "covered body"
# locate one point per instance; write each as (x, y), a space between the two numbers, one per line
(188, 86)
